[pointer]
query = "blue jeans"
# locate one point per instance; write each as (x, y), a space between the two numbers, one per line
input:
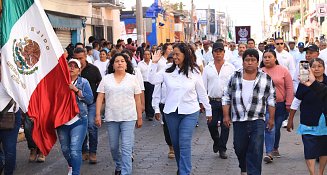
(280, 116)
(248, 145)
(122, 152)
(71, 138)
(92, 136)
(181, 127)
(269, 136)
(8, 139)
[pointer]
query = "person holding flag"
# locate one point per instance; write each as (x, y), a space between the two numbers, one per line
(34, 70)
(72, 134)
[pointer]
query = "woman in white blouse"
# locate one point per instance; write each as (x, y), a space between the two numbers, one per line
(123, 109)
(184, 85)
(8, 138)
(144, 67)
(103, 63)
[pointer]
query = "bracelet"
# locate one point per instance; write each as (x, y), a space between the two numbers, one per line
(76, 92)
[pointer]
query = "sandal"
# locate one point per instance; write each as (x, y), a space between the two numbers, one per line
(268, 158)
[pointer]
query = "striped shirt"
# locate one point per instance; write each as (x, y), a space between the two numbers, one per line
(262, 94)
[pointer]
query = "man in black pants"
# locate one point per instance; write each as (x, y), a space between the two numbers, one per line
(215, 78)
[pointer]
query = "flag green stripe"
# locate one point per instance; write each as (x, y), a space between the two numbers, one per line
(12, 10)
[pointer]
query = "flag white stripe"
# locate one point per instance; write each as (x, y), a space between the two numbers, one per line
(35, 25)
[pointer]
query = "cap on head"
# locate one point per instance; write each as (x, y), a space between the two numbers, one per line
(75, 61)
(312, 47)
(300, 45)
(217, 46)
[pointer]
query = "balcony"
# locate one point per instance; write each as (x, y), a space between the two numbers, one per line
(114, 4)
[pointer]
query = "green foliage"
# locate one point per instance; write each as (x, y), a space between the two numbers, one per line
(297, 16)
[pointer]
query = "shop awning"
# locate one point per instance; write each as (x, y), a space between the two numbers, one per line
(60, 22)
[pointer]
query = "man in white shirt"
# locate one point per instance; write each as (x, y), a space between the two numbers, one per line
(323, 53)
(261, 47)
(215, 77)
(198, 55)
(322, 45)
(284, 58)
(96, 53)
(233, 50)
(207, 54)
(237, 61)
(300, 55)
(251, 45)
(293, 51)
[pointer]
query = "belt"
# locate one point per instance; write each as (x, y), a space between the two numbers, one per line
(214, 99)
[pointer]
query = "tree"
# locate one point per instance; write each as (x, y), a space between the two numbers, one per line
(172, 6)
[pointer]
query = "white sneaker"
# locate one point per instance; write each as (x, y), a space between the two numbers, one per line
(21, 130)
(70, 170)
(284, 124)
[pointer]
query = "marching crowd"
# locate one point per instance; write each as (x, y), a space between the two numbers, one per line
(254, 89)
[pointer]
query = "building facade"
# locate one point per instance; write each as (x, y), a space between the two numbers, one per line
(75, 20)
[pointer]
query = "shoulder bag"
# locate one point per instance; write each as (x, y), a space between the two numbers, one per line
(7, 119)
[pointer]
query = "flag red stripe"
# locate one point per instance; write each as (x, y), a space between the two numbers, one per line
(51, 105)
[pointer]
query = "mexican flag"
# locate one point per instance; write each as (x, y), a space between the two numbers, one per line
(34, 69)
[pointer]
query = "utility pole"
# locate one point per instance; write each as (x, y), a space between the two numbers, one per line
(208, 23)
(139, 22)
(301, 11)
(264, 20)
(302, 31)
(192, 22)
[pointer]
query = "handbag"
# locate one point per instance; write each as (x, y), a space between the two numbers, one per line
(7, 119)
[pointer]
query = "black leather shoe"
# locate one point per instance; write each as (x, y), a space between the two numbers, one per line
(223, 155)
(215, 148)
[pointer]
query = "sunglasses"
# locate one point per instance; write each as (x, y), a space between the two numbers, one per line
(279, 44)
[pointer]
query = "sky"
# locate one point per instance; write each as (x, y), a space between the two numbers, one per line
(242, 12)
